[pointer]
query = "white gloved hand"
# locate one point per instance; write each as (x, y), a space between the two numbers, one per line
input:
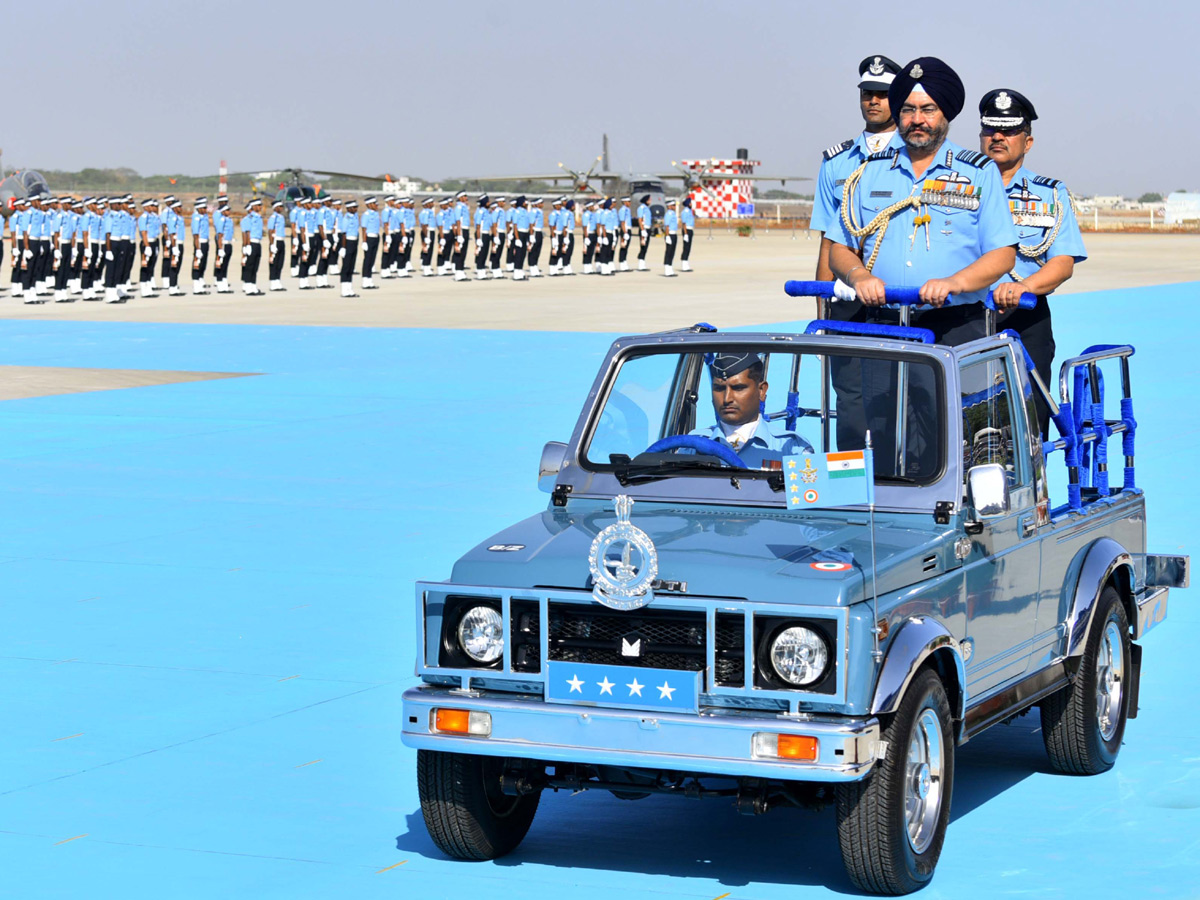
(245, 249)
(387, 243)
(478, 243)
(108, 255)
(295, 244)
(221, 255)
(326, 244)
(668, 239)
(441, 243)
(517, 242)
(843, 291)
(686, 238)
(342, 253)
(87, 254)
(554, 246)
(57, 255)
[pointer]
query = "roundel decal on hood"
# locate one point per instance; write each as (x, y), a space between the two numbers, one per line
(830, 566)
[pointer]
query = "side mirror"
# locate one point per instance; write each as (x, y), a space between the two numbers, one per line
(553, 456)
(987, 486)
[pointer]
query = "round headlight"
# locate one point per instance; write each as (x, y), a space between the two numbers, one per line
(481, 634)
(799, 655)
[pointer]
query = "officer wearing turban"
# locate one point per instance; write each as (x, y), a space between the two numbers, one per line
(739, 389)
(929, 214)
(1050, 242)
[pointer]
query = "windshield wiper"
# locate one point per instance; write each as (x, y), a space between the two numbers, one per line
(628, 472)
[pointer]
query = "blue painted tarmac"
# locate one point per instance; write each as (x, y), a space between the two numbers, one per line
(206, 626)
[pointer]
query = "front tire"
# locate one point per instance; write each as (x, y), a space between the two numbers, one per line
(1084, 723)
(892, 824)
(466, 813)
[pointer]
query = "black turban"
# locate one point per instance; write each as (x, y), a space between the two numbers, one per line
(939, 81)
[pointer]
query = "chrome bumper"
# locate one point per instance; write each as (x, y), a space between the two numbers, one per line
(716, 742)
(1151, 609)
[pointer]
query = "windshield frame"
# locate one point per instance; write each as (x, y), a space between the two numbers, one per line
(597, 480)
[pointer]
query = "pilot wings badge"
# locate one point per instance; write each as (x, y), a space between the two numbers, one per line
(623, 562)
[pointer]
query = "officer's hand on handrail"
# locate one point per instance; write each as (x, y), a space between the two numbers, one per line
(1009, 295)
(895, 294)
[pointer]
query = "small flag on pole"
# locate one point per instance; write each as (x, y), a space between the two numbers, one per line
(824, 480)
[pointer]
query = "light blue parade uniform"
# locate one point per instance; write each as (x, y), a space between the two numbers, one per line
(837, 164)
(252, 227)
(276, 226)
(763, 445)
(218, 222)
(688, 218)
(968, 211)
(671, 221)
(1035, 203)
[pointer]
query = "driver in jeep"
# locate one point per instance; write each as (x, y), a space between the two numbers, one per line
(739, 389)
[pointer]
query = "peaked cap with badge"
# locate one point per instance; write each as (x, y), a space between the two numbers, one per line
(876, 73)
(726, 365)
(1005, 108)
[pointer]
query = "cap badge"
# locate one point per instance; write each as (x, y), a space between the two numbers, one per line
(916, 72)
(876, 68)
(1003, 101)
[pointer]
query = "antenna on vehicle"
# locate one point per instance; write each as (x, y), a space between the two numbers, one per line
(870, 466)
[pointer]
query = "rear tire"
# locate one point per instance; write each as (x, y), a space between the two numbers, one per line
(892, 824)
(1084, 723)
(465, 811)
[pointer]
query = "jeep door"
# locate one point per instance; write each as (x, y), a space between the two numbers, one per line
(1002, 570)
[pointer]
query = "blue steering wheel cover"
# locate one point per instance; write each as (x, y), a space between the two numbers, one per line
(700, 444)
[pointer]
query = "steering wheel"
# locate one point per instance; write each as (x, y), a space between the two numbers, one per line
(704, 445)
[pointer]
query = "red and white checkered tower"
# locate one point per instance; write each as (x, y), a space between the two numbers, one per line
(728, 191)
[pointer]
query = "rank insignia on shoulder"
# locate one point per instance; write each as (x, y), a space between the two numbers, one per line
(884, 154)
(837, 149)
(1048, 182)
(973, 158)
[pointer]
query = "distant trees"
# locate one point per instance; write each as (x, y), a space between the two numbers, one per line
(1150, 198)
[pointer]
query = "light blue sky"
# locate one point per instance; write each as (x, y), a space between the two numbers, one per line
(438, 89)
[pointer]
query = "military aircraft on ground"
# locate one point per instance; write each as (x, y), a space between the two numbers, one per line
(19, 185)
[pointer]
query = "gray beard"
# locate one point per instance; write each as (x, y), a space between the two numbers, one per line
(931, 144)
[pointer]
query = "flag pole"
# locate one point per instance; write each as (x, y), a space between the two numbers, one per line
(875, 653)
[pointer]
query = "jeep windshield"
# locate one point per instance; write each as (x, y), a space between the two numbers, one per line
(738, 410)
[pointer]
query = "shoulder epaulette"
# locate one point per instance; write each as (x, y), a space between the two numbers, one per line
(973, 158)
(1048, 182)
(837, 149)
(884, 154)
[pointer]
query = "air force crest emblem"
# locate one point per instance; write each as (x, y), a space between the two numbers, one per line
(876, 67)
(623, 562)
(1003, 101)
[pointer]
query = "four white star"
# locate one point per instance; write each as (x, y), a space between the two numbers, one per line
(665, 691)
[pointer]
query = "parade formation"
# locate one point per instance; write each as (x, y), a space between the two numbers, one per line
(69, 248)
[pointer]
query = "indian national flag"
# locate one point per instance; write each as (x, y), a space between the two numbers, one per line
(851, 464)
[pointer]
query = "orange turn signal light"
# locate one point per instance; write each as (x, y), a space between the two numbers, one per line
(454, 721)
(462, 721)
(798, 746)
(792, 747)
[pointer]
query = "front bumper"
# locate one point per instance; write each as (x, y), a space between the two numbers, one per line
(716, 742)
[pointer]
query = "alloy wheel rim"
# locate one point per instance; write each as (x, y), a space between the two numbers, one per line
(1110, 675)
(923, 781)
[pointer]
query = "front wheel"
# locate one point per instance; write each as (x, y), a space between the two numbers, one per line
(892, 824)
(466, 813)
(1084, 723)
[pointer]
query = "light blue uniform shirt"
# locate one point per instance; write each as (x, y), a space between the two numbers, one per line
(426, 218)
(294, 218)
(67, 227)
(625, 216)
(17, 221)
(500, 219)
(349, 225)
(276, 225)
(446, 219)
(555, 215)
(252, 224)
(180, 231)
(370, 222)
(218, 220)
(610, 219)
(589, 222)
(168, 220)
(482, 220)
(539, 218)
(671, 221)
(312, 220)
(462, 215)
(763, 445)
(227, 229)
(37, 224)
(521, 219)
(644, 217)
(688, 217)
(200, 226)
(1030, 194)
(410, 218)
(566, 221)
(837, 164)
(957, 236)
(126, 224)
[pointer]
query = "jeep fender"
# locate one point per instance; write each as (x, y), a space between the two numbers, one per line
(916, 641)
(1105, 560)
